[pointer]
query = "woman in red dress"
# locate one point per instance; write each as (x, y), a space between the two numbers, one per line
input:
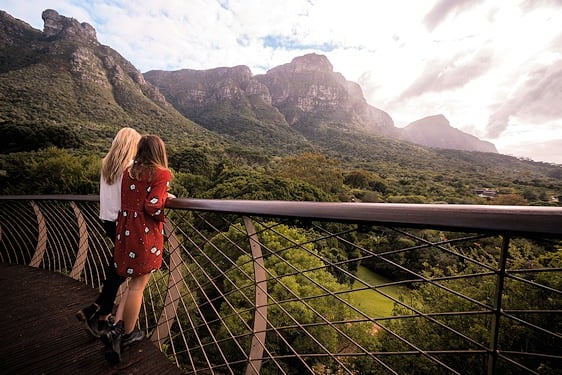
(139, 242)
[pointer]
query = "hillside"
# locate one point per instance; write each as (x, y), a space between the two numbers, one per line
(436, 131)
(295, 103)
(62, 84)
(229, 101)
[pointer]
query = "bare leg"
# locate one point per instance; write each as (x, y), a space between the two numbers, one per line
(121, 306)
(132, 302)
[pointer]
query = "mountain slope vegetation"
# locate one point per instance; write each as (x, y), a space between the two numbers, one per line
(70, 83)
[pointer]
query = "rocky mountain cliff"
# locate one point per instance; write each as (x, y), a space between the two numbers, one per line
(62, 77)
(310, 95)
(436, 131)
(304, 95)
(229, 101)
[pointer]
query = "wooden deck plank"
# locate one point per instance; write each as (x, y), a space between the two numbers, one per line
(40, 334)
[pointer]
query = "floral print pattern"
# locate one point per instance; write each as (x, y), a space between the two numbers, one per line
(140, 242)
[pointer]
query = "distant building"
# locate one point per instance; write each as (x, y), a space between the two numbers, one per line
(486, 193)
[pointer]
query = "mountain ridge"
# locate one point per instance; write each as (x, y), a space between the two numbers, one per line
(63, 75)
(290, 107)
(436, 131)
(307, 92)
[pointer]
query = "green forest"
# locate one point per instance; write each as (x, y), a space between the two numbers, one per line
(70, 165)
(329, 271)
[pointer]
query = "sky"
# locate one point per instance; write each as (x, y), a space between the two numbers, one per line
(493, 68)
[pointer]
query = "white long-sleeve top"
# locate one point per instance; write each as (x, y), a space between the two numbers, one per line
(110, 199)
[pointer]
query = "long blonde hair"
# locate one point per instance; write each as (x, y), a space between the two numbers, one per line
(120, 154)
(151, 154)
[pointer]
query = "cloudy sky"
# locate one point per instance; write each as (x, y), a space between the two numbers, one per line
(493, 68)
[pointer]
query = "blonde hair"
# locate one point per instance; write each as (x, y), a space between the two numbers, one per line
(151, 154)
(120, 154)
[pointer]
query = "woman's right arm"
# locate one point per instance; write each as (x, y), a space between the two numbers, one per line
(157, 194)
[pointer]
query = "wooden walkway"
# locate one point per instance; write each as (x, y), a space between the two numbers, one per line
(39, 333)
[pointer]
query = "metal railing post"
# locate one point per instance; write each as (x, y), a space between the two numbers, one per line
(260, 313)
(497, 312)
(173, 295)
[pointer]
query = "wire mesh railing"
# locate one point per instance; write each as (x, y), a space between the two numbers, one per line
(273, 287)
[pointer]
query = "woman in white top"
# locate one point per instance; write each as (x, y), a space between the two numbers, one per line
(120, 155)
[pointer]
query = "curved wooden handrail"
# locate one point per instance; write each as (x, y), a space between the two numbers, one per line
(481, 218)
(41, 237)
(457, 217)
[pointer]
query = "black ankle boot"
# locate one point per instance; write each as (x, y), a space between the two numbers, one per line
(132, 338)
(112, 339)
(89, 316)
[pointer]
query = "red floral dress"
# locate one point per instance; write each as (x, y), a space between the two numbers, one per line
(140, 223)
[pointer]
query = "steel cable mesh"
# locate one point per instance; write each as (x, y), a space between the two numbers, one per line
(18, 232)
(450, 323)
(345, 298)
(446, 323)
(98, 245)
(362, 315)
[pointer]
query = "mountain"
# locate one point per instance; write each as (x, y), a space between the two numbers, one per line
(61, 84)
(296, 103)
(301, 102)
(231, 102)
(70, 84)
(312, 96)
(304, 95)
(436, 131)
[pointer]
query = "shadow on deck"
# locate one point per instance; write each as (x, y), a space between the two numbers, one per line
(40, 334)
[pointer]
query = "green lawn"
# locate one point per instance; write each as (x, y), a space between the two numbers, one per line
(371, 302)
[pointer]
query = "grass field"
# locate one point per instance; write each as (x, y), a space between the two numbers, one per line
(371, 302)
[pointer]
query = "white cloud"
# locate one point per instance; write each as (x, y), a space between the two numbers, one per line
(470, 60)
(527, 144)
(442, 9)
